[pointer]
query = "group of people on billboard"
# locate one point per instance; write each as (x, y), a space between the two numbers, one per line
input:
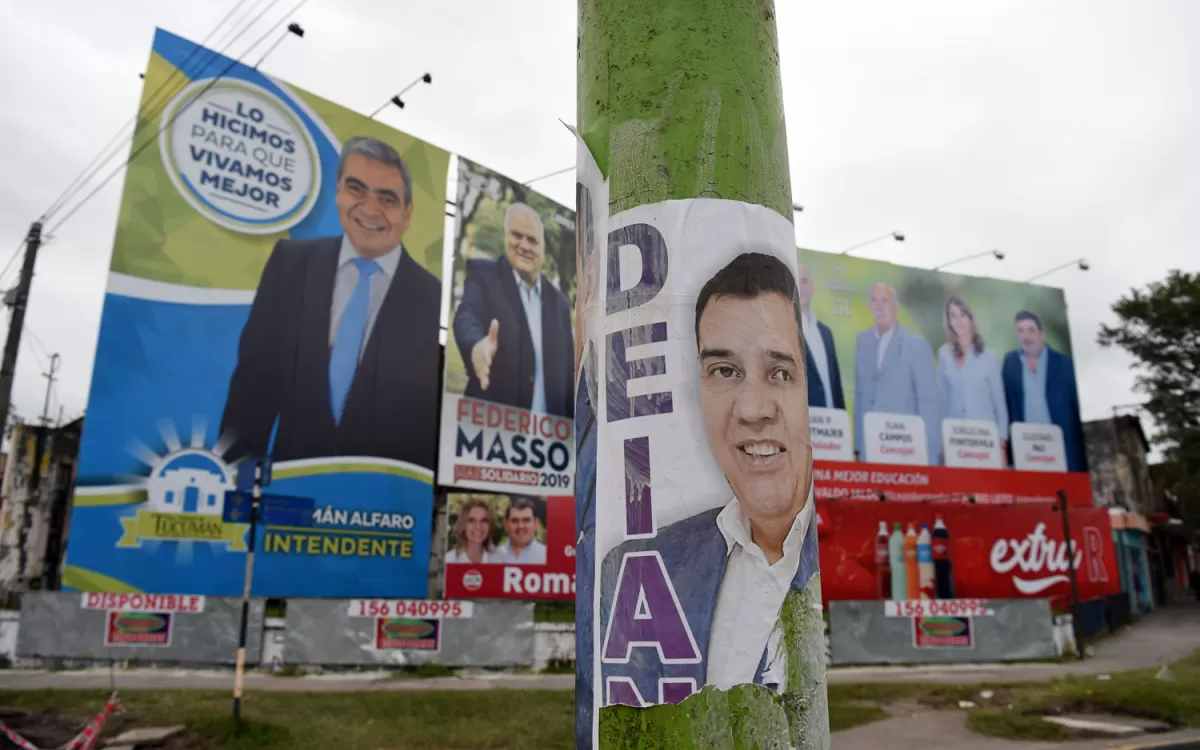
(896, 371)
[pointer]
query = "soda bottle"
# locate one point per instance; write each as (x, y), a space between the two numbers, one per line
(912, 572)
(896, 563)
(883, 571)
(925, 562)
(943, 569)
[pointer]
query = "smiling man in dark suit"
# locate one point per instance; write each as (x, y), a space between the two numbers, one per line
(1039, 385)
(513, 327)
(340, 352)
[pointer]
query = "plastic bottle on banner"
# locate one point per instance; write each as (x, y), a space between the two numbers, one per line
(912, 569)
(883, 571)
(925, 562)
(896, 562)
(943, 568)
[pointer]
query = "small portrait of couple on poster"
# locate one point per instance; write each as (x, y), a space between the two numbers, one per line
(744, 575)
(502, 529)
(339, 355)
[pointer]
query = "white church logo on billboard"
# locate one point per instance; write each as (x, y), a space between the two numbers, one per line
(185, 494)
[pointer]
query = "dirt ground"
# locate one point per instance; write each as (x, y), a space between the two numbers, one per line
(51, 728)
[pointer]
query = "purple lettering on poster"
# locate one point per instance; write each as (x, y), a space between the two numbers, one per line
(639, 512)
(653, 249)
(622, 691)
(620, 371)
(646, 613)
(675, 689)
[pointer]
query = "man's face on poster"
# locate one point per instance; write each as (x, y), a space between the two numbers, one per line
(524, 245)
(754, 400)
(372, 205)
(520, 524)
(1031, 337)
(883, 306)
(804, 287)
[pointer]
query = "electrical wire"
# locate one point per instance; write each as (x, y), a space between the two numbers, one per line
(154, 138)
(100, 160)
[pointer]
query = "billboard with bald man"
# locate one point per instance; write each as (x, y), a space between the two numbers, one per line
(508, 409)
(911, 367)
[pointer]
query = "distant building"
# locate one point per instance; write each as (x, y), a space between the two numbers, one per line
(35, 505)
(1118, 457)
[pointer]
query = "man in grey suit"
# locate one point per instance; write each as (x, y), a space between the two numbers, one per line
(894, 372)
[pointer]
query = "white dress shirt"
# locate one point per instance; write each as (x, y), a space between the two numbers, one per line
(816, 345)
(531, 300)
(746, 620)
(884, 339)
(346, 278)
(534, 554)
(453, 556)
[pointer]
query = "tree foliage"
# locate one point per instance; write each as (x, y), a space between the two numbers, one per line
(1160, 326)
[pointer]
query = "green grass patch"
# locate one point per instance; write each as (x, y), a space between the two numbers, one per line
(416, 720)
(289, 670)
(554, 612)
(556, 666)
(1011, 725)
(843, 716)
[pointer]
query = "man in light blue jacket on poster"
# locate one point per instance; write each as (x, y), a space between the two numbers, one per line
(894, 373)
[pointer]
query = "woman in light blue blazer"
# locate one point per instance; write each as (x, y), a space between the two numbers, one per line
(969, 373)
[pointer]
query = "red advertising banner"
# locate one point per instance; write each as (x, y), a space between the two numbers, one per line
(836, 480)
(979, 551)
(138, 628)
(409, 634)
(510, 547)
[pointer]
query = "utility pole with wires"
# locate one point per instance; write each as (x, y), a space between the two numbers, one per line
(49, 376)
(16, 325)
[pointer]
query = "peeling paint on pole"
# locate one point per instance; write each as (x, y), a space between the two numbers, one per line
(697, 554)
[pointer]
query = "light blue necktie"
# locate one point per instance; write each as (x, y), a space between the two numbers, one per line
(343, 360)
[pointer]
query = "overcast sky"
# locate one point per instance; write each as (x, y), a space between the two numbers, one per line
(1049, 129)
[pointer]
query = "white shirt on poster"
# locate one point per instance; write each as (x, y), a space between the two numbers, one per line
(531, 301)
(746, 619)
(346, 278)
(534, 554)
(453, 556)
(884, 339)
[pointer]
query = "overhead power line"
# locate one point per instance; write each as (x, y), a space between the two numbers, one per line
(152, 139)
(152, 106)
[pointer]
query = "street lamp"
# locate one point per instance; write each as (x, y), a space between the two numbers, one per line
(995, 253)
(897, 236)
(1081, 262)
(293, 28)
(797, 207)
(427, 78)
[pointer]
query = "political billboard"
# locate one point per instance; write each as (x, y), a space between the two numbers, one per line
(274, 291)
(927, 385)
(506, 422)
(510, 547)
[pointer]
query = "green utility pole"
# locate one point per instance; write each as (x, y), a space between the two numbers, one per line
(681, 99)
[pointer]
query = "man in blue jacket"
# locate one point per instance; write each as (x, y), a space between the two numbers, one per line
(731, 595)
(1039, 385)
(513, 327)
